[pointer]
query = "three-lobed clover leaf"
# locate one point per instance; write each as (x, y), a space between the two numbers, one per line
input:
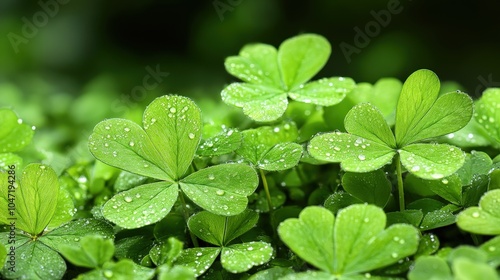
(354, 242)
(221, 231)
(483, 219)
(272, 76)
(164, 149)
(369, 143)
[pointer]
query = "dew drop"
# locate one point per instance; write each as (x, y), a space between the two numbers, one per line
(131, 143)
(220, 192)
(19, 121)
(444, 181)
(107, 127)
(126, 129)
(415, 168)
(361, 157)
(173, 110)
(191, 135)
(128, 199)
(394, 255)
(211, 177)
(475, 215)
(115, 153)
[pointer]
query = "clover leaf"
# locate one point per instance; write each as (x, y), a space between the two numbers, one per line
(35, 196)
(272, 76)
(221, 231)
(14, 136)
(164, 149)
(484, 219)
(354, 242)
(369, 143)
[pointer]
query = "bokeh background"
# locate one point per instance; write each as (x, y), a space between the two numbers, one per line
(81, 61)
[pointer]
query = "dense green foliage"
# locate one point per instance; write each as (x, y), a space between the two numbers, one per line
(323, 179)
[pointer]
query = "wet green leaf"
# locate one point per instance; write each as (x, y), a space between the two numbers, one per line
(140, 206)
(469, 270)
(239, 258)
(220, 230)
(257, 142)
(429, 244)
(166, 252)
(355, 153)
(437, 218)
(476, 163)
(93, 252)
(198, 259)
(370, 187)
(127, 180)
(71, 233)
(259, 102)
(430, 267)
(301, 57)
(14, 134)
(353, 243)
(36, 261)
(311, 237)
(366, 121)
(431, 161)
(281, 157)
(324, 92)
(65, 210)
(484, 219)
(36, 198)
(220, 144)
(221, 189)
(420, 114)
(171, 124)
(257, 64)
(492, 249)
(339, 200)
(272, 76)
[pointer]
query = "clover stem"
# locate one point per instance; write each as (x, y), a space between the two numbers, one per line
(186, 217)
(400, 184)
(266, 189)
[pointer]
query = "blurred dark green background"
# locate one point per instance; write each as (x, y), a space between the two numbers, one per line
(86, 60)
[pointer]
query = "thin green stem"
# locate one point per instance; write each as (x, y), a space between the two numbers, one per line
(401, 192)
(266, 189)
(186, 217)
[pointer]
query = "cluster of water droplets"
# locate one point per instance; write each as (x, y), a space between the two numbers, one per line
(254, 254)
